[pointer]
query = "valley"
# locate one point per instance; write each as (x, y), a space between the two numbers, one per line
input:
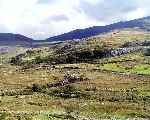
(96, 78)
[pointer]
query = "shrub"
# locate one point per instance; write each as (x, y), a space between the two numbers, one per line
(36, 88)
(14, 60)
(67, 91)
(5, 116)
(147, 53)
(38, 60)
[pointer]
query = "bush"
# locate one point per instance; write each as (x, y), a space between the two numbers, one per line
(6, 116)
(147, 53)
(36, 88)
(14, 60)
(38, 60)
(67, 91)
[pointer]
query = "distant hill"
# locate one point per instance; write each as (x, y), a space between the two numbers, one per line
(10, 39)
(20, 40)
(142, 23)
(107, 45)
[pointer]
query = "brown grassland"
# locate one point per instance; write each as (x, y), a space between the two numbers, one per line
(115, 88)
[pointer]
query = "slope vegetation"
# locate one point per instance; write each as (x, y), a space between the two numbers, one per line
(102, 77)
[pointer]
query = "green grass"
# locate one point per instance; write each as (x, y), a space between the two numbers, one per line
(132, 63)
(138, 69)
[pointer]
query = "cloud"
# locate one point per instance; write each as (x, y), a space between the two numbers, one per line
(109, 11)
(3, 29)
(58, 18)
(40, 19)
(45, 1)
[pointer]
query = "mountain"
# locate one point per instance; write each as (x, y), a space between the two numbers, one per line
(142, 23)
(9, 39)
(20, 40)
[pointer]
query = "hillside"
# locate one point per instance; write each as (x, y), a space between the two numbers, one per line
(9, 39)
(97, 78)
(101, 77)
(143, 23)
(108, 73)
(110, 44)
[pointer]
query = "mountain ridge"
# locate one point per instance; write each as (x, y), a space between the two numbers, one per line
(18, 39)
(142, 23)
(14, 39)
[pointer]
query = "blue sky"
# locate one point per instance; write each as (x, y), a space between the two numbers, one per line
(40, 19)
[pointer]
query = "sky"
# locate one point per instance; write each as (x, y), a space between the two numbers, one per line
(40, 19)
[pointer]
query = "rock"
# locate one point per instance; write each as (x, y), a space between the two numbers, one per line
(67, 80)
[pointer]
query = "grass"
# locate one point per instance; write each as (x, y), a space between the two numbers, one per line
(82, 51)
(107, 93)
(131, 63)
(138, 69)
(106, 96)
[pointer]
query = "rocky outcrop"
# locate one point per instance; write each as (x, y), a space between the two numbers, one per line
(121, 51)
(137, 43)
(67, 80)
